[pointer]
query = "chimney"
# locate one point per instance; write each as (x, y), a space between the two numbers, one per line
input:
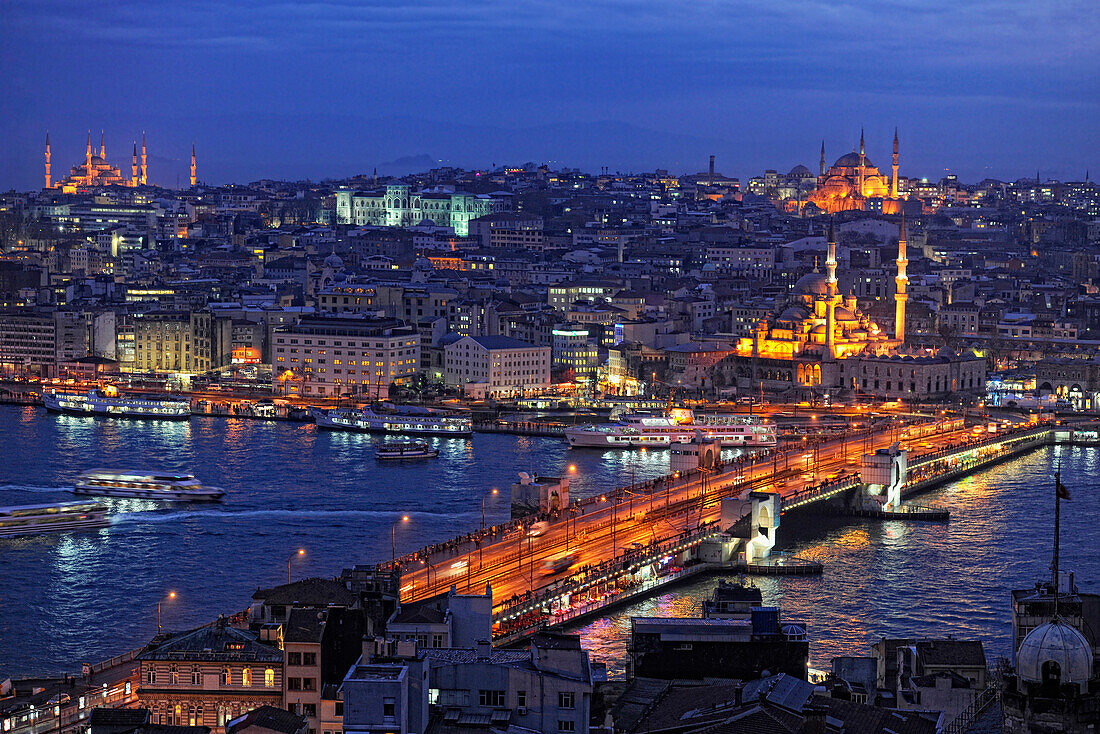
(710, 177)
(484, 649)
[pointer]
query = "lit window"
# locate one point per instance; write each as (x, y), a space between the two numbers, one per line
(246, 677)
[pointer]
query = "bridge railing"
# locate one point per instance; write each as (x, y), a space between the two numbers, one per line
(519, 605)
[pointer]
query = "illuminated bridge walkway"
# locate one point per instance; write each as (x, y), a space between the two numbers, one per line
(623, 545)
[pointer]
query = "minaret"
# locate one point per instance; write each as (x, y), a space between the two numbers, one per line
(902, 281)
(894, 177)
(102, 146)
(134, 168)
(88, 157)
(822, 166)
(193, 179)
(48, 179)
(862, 162)
(830, 282)
(144, 162)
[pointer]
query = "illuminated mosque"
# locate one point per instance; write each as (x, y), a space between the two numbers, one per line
(820, 340)
(96, 171)
(853, 181)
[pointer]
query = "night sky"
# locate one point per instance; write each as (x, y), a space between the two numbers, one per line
(298, 89)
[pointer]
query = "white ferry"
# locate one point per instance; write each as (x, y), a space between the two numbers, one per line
(399, 450)
(635, 430)
(146, 485)
(348, 419)
(110, 403)
(52, 518)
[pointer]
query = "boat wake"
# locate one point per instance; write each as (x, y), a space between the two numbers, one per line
(30, 488)
(176, 516)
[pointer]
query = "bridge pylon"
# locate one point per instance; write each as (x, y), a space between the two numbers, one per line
(883, 474)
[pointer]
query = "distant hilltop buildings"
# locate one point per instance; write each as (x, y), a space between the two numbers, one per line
(96, 171)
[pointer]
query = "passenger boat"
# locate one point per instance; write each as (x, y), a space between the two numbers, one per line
(150, 485)
(366, 419)
(60, 517)
(110, 403)
(398, 450)
(635, 430)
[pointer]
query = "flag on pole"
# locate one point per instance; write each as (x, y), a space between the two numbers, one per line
(1061, 490)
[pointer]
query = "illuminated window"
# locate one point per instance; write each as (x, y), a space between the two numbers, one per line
(246, 677)
(269, 678)
(227, 678)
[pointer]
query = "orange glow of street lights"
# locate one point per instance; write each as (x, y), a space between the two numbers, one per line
(573, 468)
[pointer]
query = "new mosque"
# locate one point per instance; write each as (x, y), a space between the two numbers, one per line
(820, 340)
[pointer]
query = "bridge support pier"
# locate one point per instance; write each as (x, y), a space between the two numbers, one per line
(883, 474)
(754, 521)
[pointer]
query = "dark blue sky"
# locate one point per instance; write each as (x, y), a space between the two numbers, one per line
(313, 89)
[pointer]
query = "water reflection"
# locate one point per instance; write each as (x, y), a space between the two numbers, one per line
(894, 579)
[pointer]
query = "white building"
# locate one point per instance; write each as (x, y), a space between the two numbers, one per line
(328, 357)
(496, 365)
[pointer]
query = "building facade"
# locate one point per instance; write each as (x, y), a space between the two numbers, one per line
(497, 365)
(399, 206)
(329, 357)
(209, 676)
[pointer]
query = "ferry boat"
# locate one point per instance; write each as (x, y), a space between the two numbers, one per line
(635, 430)
(398, 450)
(366, 419)
(110, 403)
(51, 518)
(150, 485)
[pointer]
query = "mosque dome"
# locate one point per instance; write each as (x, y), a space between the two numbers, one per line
(423, 264)
(334, 262)
(843, 313)
(800, 171)
(1057, 643)
(794, 313)
(818, 330)
(851, 160)
(812, 284)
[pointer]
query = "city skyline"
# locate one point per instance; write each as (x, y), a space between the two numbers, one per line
(626, 85)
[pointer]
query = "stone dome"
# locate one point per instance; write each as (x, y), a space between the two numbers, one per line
(843, 313)
(794, 313)
(1058, 643)
(812, 284)
(851, 160)
(334, 261)
(800, 171)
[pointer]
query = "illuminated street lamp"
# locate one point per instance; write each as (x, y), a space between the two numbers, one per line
(481, 542)
(301, 553)
(393, 540)
(171, 595)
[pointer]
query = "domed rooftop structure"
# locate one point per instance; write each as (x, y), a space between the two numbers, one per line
(423, 264)
(334, 261)
(812, 284)
(843, 313)
(1056, 649)
(794, 313)
(851, 160)
(800, 171)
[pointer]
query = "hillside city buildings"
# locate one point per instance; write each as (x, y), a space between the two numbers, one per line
(521, 281)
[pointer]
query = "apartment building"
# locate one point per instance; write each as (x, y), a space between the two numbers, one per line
(209, 676)
(329, 357)
(185, 342)
(496, 366)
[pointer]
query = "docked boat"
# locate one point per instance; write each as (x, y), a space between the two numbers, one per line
(400, 450)
(110, 403)
(60, 517)
(146, 485)
(637, 430)
(366, 419)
